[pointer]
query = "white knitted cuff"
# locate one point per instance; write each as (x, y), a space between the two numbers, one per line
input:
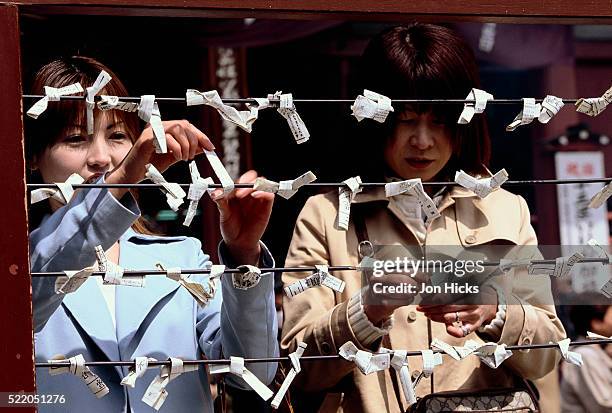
(495, 327)
(363, 329)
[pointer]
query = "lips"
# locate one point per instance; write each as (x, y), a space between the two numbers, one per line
(419, 163)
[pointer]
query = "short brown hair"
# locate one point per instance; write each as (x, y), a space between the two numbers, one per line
(47, 129)
(425, 61)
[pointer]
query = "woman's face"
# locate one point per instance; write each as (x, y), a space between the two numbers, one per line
(89, 156)
(419, 147)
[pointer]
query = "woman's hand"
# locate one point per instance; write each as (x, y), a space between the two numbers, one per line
(184, 142)
(463, 319)
(244, 216)
(386, 293)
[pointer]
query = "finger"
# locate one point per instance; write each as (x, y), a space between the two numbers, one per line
(261, 195)
(191, 137)
(447, 308)
(174, 147)
(203, 140)
(459, 331)
(178, 132)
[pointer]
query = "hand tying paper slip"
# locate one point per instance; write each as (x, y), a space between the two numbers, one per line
(52, 94)
(346, 195)
(244, 118)
(481, 186)
(237, 368)
(295, 369)
(371, 105)
(594, 106)
(79, 369)
(101, 81)
(480, 98)
(174, 193)
(321, 277)
(156, 393)
(561, 267)
(286, 188)
(62, 194)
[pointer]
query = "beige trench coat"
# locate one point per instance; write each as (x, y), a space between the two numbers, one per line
(318, 316)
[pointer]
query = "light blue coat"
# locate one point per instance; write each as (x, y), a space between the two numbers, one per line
(160, 320)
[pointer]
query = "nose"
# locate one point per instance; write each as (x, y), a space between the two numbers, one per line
(99, 155)
(422, 137)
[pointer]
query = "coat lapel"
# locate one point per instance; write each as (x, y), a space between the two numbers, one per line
(91, 312)
(136, 303)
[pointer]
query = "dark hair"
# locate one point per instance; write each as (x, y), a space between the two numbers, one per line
(45, 131)
(582, 315)
(425, 61)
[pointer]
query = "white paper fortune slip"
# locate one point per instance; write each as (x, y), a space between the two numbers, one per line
(456, 352)
(224, 177)
(365, 361)
(149, 112)
(594, 106)
(492, 354)
(371, 105)
(551, 105)
(346, 195)
(480, 98)
(107, 102)
(602, 196)
(248, 278)
(101, 81)
(237, 368)
(138, 370)
(321, 277)
(594, 336)
(481, 186)
(198, 187)
(243, 118)
(175, 195)
(286, 188)
(530, 111)
(52, 94)
(62, 194)
(399, 362)
(415, 188)
(79, 369)
(198, 291)
(72, 280)
(156, 393)
(569, 356)
(561, 267)
(288, 111)
(430, 361)
(113, 273)
(295, 369)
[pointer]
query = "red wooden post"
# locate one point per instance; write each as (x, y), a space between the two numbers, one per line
(16, 349)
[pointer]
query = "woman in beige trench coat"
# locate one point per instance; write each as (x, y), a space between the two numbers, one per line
(418, 141)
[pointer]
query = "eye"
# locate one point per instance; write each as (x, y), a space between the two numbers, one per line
(118, 136)
(74, 139)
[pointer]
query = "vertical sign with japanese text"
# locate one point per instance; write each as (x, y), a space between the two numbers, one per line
(577, 222)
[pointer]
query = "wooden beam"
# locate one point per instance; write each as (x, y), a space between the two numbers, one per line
(16, 346)
(517, 11)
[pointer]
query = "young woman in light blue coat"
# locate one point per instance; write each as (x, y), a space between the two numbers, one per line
(162, 320)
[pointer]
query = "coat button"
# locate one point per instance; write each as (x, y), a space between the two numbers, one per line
(415, 375)
(470, 239)
(526, 341)
(325, 348)
(412, 316)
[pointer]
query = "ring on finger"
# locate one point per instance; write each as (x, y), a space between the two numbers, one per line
(466, 330)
